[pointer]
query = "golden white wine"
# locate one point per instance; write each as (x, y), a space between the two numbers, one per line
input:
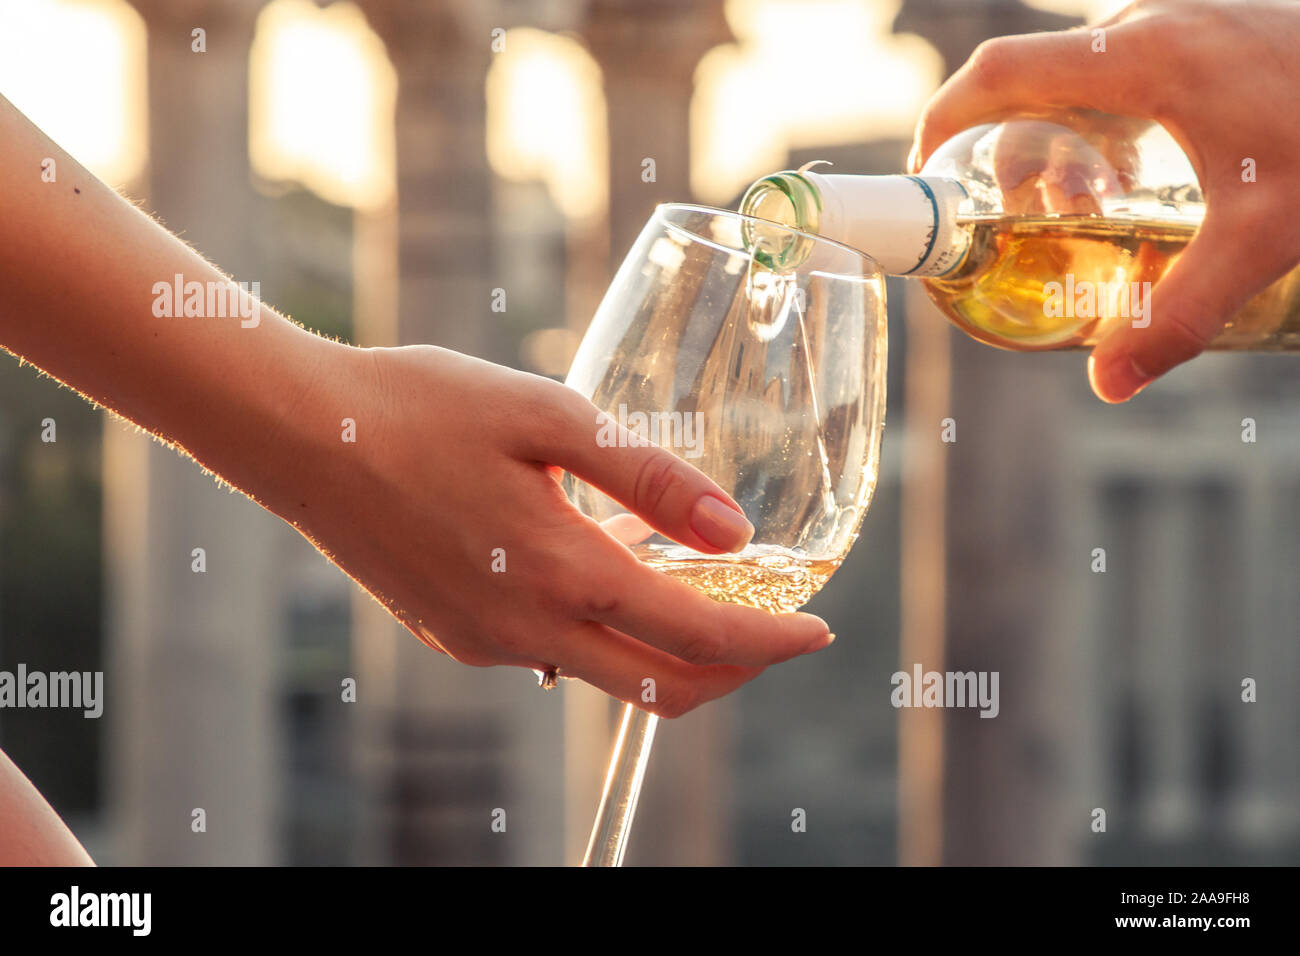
(763, 576)
(1008, 292)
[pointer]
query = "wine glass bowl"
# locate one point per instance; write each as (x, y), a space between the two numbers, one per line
(770, 383)
(756, 353)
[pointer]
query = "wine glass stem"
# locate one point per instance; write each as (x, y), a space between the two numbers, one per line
(622, 788)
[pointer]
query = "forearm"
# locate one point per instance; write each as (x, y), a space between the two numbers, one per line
(80, 274)
(31, 833)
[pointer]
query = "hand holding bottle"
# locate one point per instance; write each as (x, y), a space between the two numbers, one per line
(1224, 79)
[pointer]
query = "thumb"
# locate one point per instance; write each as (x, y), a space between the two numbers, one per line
(1214, 277)
(675, 499)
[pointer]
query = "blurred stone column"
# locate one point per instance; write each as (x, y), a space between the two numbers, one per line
(1167, 635)
(444, 187)
(375, 634)
(923, 550)
(1002, 488)
(190, 655)
(1261, 809)
(1004, 778)
(648, 54)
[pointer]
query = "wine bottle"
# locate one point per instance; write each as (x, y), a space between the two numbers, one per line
(1038, 232)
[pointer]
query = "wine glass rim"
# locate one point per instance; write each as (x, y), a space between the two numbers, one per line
(873, 273)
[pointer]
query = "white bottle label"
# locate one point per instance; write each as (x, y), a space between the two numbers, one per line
(907, 224)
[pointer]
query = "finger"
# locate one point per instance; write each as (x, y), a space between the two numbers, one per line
(1077, 179)
(672, 497)
(636, 674)
(679, 620)
(626, 529)
(1041, 167)
(1033, 71)
(1208, 284)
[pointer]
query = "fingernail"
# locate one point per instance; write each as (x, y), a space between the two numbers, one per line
(720, 525)
(1116, 378)
(914, 157)
(820, 643)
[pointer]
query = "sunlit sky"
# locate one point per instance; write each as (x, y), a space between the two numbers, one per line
(76, 69)
(322, 95)
(801, 73)
(546, 119)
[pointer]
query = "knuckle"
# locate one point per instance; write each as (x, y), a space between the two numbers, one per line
(1186, 339)
(551, 415)
(658, 475)
(554, 413)
(988, 63)
(1157, 101)
(587, 593)
(580, 579)
(1167, 40)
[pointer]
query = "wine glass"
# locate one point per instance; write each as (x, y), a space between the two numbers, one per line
(757, 354)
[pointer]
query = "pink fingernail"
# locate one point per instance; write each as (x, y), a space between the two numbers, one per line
(720, 525)
(820, 643)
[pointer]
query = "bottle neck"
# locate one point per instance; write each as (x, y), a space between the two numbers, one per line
(907, 224)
